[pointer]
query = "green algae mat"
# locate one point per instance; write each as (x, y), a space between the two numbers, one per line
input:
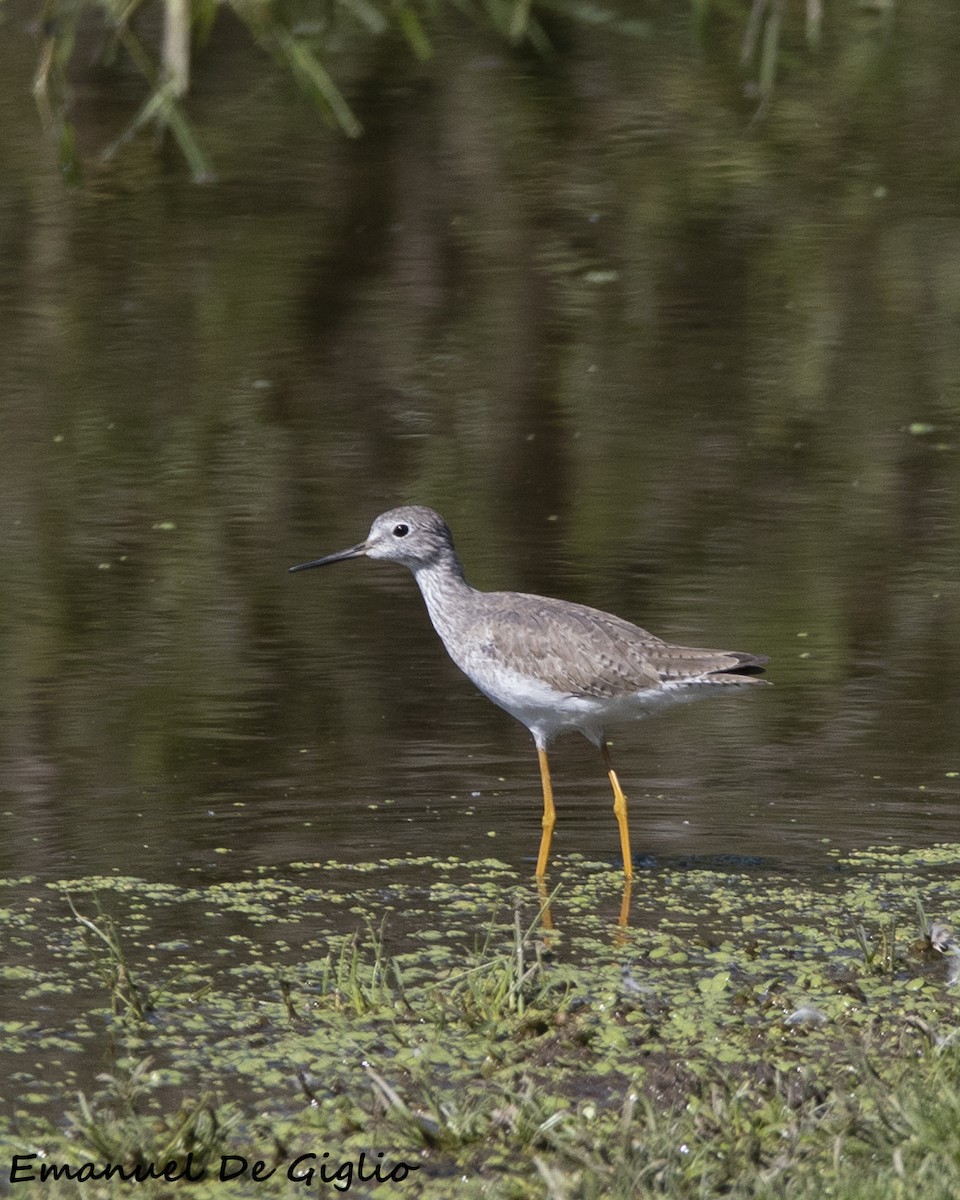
(434, 1029)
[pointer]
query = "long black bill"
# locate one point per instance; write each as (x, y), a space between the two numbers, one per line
(354, 552)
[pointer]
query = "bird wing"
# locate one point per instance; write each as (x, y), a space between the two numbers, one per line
(585, 652)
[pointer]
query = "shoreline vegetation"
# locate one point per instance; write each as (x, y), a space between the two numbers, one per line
(332, 51)
(748, 1033)
(310, 43)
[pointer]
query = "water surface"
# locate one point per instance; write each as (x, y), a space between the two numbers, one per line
(641, 351)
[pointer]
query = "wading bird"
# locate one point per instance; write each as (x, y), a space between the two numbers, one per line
(555, 666)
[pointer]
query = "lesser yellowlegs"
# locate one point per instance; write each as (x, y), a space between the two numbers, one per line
(555, 666)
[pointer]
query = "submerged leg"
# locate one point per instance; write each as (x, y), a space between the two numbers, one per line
(549, 813)
(619, 811)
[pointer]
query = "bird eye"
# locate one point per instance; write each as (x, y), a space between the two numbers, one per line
(401, 530)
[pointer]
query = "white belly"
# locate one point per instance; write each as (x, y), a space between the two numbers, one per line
(548, 713)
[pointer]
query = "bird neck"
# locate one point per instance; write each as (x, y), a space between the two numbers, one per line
(442, 586)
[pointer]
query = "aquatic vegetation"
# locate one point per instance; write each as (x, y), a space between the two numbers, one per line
(748, 1034)
(325, 48)
(301, 37)
(127, 997)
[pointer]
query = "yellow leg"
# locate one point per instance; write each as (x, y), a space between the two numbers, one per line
(624, 919)
(549, 814)
(620, 812)
(546, 917)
